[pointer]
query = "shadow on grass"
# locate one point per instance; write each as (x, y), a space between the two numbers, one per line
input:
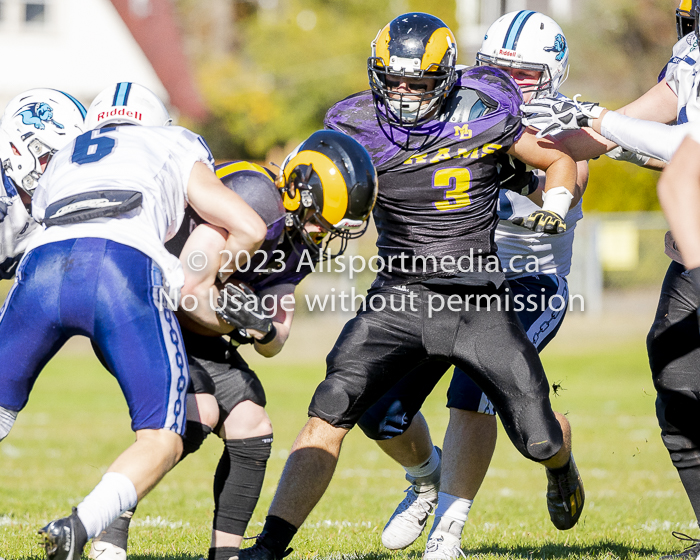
(603, 549)
(606, 550)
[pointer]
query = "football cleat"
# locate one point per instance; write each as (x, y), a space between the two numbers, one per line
(64, 539)
(444, 542)
(111, 544)
(260, 552)
(690, 553)
(100, 550)
(411, 516)
(565, 497)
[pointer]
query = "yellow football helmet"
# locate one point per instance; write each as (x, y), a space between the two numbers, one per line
(330, 181)
(414, 45)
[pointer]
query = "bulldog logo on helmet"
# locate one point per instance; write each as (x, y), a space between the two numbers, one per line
(37, 114)
(559, 46)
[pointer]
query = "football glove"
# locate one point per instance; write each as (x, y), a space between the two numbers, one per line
(621, 154)
(5, 203)
(542, 221)
(550, 115)
(514, 176)
(240, 307)
(240, 337)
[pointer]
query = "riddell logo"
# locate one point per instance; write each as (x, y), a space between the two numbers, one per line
(119, 112)
(505, 52)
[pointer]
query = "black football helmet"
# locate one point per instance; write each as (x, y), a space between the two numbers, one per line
(414, 45)
(255, 185)
(328, 180)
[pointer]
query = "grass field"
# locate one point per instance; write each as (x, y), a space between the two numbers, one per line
(76, 423)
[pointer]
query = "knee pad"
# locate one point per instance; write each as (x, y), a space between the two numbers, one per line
(538, 436)
(195, 434)
(677, 416)
(382, 423)
(7, 420)
(238, 481)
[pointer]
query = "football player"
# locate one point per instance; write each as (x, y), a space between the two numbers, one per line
(673, 343)
(434, 133)
(538, 62)
(109, 200)
(34, 126)
(327, 187)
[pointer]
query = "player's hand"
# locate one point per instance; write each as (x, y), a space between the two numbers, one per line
(550, 115)
(542, 221)
(5, 203)
(240, 337)
(240, 307)
(620, 154)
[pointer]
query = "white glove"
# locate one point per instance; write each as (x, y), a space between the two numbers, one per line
(550, 115)
(5, 203)
(620, 154)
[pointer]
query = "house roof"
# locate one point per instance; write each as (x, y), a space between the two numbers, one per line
(154, 26)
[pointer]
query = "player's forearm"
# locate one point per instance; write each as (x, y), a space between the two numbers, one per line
(585, 144)
(561, 173)
(275, 346)
(679, 194)
(653, 139)
(200, 307)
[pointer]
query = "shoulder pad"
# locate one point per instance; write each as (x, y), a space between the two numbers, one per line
(495, 88)
(466, 104)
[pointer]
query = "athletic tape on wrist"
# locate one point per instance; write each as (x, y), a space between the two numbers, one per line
(557, 200)
(269, 337)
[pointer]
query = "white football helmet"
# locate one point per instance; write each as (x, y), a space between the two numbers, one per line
(531, 41)
(127, 103)
(36, 124)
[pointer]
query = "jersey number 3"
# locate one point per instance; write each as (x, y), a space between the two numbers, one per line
(92, 146)
(457, 181)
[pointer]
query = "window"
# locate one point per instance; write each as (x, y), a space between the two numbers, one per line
(35, 12)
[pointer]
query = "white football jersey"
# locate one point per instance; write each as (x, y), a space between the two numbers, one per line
(155, 161)
(519, 247)
(682, 78)
(16, 230)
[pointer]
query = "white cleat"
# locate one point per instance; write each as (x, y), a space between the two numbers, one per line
(444, 544)
(411, 516)
(409, 519)
(106, 551)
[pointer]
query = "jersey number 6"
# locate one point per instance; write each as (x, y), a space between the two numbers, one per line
(92, 146)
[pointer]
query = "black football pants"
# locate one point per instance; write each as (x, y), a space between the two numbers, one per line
(673, 345)
(474, 329)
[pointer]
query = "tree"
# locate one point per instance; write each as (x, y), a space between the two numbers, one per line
(285, 63)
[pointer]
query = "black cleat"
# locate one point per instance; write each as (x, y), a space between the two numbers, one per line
(690, 553)
(260, 552)
(565, 497)
(64, 539)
